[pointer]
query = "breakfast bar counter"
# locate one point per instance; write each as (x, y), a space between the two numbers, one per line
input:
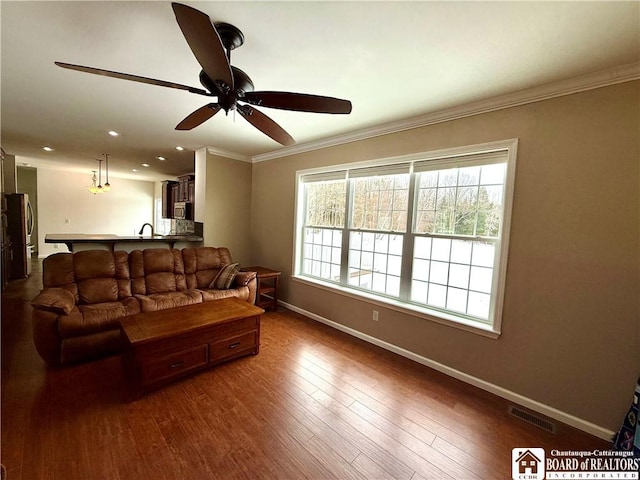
(81, 241)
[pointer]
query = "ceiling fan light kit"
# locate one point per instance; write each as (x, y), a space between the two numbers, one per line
(212, 44)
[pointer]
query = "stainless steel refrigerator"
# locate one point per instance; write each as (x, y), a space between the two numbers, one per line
(20, 223)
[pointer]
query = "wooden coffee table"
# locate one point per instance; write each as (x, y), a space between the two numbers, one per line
(163, 346)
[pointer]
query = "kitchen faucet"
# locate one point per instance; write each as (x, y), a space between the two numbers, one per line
(142, 229)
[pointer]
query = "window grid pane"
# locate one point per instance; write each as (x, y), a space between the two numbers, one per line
(321, 256)
(325, 202)
(454, 275)
(460, 201)
(380, 203)
(372, 263)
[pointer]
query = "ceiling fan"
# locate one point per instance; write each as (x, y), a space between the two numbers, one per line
(211, 44)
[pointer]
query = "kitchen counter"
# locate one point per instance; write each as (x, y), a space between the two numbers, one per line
(82, 241)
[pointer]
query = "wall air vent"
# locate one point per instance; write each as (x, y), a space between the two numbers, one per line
(532, 418)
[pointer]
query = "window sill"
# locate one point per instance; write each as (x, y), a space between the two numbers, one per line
(408, 309)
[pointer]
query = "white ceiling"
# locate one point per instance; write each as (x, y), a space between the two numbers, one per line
(393, 60)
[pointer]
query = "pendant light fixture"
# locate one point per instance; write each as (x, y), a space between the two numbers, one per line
(93, 188)
(107, 185)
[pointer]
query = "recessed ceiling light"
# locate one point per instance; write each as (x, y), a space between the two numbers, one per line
(113, 133)
(134, 169)
(47, 148)
(179, 148)
(145, 164)
(161, 158)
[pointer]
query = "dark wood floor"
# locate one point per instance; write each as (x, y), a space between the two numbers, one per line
(315, 403)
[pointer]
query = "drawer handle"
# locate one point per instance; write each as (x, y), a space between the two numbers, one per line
(234, 345)
(177, 364)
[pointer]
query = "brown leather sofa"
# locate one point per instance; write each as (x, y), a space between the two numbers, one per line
(77, 315)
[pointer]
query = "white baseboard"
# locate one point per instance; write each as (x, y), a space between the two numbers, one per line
(534, 405)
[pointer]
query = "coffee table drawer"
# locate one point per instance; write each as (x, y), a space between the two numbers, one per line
(175, 364)
(232, 346)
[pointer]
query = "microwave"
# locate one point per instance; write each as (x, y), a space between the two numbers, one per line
(182, 210)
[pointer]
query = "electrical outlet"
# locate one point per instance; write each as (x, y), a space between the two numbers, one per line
(375, 315)
(67, 221)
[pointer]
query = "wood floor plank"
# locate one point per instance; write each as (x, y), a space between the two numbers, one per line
(370, 469)
(409, 450)
(368, 446)
(330, 459)
(285, 394)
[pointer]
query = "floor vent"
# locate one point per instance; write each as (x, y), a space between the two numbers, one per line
(532, 418)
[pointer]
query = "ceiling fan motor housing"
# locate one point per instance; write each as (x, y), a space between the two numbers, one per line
(227, 99)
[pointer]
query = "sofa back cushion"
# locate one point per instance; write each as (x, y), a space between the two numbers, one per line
(156, 270)
(92, 276)
(57, 272)
(95, 271)
(202, 264)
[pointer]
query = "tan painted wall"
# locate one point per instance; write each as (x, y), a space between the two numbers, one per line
(228, 206)
(571, 330)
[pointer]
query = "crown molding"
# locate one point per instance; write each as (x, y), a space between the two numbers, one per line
(621, 74)
(229, 154)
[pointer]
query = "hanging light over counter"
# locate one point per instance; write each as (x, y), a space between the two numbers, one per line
(107, 185)
(96, 183)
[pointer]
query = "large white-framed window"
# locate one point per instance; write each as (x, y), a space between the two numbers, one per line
(426, 233)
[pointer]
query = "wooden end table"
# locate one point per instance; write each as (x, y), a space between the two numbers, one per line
(267, 285)
(165, 345)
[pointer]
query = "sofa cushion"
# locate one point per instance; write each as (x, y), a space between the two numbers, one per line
(158, 260)
(225, 276)
(202, 264)
(156, 270)
(98, 290)
(160, 282)
(94, 272)
(161, 301)
(57, 300)
(88, 319)
(93, 264)
(57, 270)
(241, 292)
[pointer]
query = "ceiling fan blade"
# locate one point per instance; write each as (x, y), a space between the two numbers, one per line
(134, 78)
(201, 115)
(265, 125)
(301, 102)
(205, 43)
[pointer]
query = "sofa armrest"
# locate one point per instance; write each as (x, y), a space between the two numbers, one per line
(56, 300)
(248, 279)
(46, 337)
(243, 278)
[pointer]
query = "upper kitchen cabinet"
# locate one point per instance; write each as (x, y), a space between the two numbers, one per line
(186, 188)
(169, 197)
